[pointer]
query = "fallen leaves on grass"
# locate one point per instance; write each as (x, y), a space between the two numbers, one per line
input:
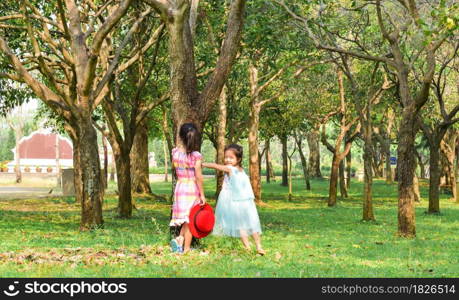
(369, 263)
(86, 256)
(278, 256)
(39, 205)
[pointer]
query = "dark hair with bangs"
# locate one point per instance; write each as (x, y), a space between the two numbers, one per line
(237, 150)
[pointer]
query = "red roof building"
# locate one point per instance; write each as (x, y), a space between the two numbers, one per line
(44, 146)
(41, 149)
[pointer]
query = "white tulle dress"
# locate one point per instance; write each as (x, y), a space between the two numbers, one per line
(236, 214)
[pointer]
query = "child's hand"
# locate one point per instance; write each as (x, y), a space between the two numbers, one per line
(203, 200)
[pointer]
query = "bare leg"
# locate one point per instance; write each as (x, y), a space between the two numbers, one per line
(187, 235)
(257, 239)
(181, 237)
(245, 240)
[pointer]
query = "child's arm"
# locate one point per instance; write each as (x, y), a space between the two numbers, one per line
(222, 168)
(199, 181)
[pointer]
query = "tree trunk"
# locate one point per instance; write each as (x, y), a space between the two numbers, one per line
(88, 186)
(457, 168)
(387, 141)
(272, 174)
(104, 146)
(314, 153)
(348, 169)
(58, 165)
(377, 164)
(284, 161)
(168, 138)
(342, 180)
(368, 214)
(290, 193)
(112, 168)
(434, 180)
(305, 166)
(333, 190)
(454, 196)
(443, 170)
(381, 163)
(422, 168)
(405, 173)
(253, 150)
(267, 160)
(221, 139)
(417, 193)
(123, 174)
(389, 173)
(188, 105)
(448, 147)
(77, 176)
(139, 160)
(260, 158)
(18, 129)
(17, 154)
(166, 158)
(367, 130)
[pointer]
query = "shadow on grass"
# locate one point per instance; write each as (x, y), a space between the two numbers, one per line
(303, 237)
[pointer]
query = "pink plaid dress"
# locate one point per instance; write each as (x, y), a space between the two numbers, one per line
(186, 193)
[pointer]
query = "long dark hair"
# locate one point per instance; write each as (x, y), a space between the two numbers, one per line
(237, 150)
(190, 136)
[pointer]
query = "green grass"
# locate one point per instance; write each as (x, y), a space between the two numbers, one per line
(303, 238)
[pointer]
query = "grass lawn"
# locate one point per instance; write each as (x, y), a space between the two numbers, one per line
(303, 238)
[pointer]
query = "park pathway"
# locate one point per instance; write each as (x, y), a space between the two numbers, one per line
(8, 192)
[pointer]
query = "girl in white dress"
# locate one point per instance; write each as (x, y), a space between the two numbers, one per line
(236, 214)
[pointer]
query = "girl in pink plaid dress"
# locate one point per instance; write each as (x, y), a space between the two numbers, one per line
(189, 189)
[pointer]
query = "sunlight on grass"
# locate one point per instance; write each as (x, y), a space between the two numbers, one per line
(303, 238)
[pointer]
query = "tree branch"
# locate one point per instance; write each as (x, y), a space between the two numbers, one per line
(100, 36)
(319, 45)
(323, 139)
(159, 5)
(227, 56)
(146, 109)
(40, 90)
(270, 80)
(154, 39)
(114, 62)
(11, 76)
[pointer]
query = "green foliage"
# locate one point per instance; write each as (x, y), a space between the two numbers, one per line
(12, 95)
(8, 142)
